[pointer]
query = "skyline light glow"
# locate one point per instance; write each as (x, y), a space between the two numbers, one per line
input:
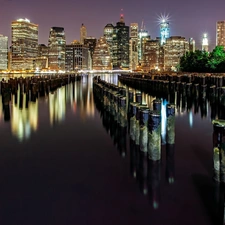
(185, 20)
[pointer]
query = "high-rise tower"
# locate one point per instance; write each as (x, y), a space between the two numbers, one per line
(220, 33)
(108, 34)
(83, 33)
(24, 44)
(57, 48)
(133, 46)
(3, 52)
(164, 31)
(191, 45)
(205, 43)
(120, 47)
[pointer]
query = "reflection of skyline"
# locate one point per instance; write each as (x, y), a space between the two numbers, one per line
(23, 120)
(24, 112)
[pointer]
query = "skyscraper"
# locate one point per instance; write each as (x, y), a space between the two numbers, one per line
(108, 34)
(83, 33)
(191, 45)
(24, 44)
(220, 33)
(57, 48)
(133, 46)
(3, 52)
(205, 43)
(101, 57)
(77, 56)
(120, 47)
(164, 31)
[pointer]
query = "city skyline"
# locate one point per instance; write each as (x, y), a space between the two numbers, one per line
(185, 20)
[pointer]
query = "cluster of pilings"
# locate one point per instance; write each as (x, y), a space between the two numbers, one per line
(144, 123)
(33, 87)
(199, 85)
(123, 112)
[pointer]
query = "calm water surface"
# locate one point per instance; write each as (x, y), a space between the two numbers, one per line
(63, 162)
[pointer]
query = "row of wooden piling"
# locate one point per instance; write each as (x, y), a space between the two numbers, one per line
(35, 85)
(144, 123)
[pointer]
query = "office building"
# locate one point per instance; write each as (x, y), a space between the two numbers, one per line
(83, 33)
(164, 31)
(108, 34)
(24, 44)
(101, 57)
(57, 48)
(120, 47)
(220, 33)
(133, 46)
(3, 52)
(77, 56)
(191, 45)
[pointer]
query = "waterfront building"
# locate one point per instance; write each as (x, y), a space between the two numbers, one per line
(174, 48)
(41, 62)
(77, 56)
(120, 47)
(3, 52)
(56, 47)
(101, 57)
(164, 31)
(90, 42)
(220, 33)
(42, 50)
(205, 43)
(191, 45)
(133, 46)
(83, 33)
(151, 56)
(24, 44)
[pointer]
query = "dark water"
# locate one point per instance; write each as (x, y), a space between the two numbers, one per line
(62, 161)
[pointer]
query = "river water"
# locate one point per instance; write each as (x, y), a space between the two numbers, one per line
(62, 163)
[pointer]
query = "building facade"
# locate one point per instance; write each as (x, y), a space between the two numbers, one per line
(164, 31)
(24, 44)
(133, 46)
(220, 33)
(102, 57)
(205, 43)
(120, 47)
(3, 52)
(83, 33)
(108, 34)
(56, 48)
(77, 57)
(191, 45)
(174, 48)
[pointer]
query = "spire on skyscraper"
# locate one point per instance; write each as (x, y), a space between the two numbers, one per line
(121, 16)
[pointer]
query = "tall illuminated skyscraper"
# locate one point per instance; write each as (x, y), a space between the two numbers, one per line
(108, 34)
(164, 31)
(205, 43)
(133, 46)
(24, 44)
(57, 48)
(83, 33)
(3, 52)
(120, 47)
(191, 45)
(220, 33)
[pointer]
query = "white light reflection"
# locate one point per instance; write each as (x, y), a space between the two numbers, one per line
(163, 121)
(191, 119)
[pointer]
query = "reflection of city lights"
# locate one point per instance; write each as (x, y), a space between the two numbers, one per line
(1, 109)
(24, 120)
(163, 118)
(190, 119)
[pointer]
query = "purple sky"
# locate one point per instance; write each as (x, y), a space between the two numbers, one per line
(187, 18)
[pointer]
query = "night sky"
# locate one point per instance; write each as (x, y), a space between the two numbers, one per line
(187, 18)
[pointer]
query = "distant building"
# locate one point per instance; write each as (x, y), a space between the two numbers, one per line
(57, 48)
(191, 45)
(175, 47)
(133, 46)
(152, 57)
(77, 56)
(220, 33)
(108, 34)
(83, 33)
(101, 57)
(205, 43)
(3, 52)
(120, 47)
(24, 44)
(143, 36)
(42, 50)
(164, 31)
(41, 62)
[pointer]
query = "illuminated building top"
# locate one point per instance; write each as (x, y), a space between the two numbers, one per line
(23, 20)
(205, 43)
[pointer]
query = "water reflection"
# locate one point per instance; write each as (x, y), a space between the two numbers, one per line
(25, 112)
